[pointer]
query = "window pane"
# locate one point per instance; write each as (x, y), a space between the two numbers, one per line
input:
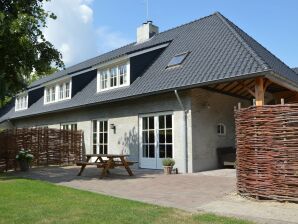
(145, 137)
(61, 91)
(151, 122)
(101, 149)
(105, 126)
(169, 136)
(151, 136)
(162, 138)
(169, 121)
(113, 77)
(169, 151)
(94, 138)
(121, 80)
(73, 127)
(105, 136)
(178, 59)
(94, 126)
(161, 122)
(162, 151)
(145, 151)
(53, 90)
(105, 149)
(67, 89)
(94, 149)
(145, 123)
(151, 151)
(100, 126)
(101, 138)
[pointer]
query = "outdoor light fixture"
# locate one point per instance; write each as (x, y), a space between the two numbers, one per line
(113, 126)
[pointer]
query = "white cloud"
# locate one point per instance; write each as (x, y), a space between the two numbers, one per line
(86, 13)
(73, 32)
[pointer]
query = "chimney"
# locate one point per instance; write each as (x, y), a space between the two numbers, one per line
(146, 31)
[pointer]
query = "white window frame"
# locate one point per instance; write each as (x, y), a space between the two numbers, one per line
(97, 134)
(108, 70)
(156, 144)
(224, 129)
(69, 124)
(56, 86)
(21, 102)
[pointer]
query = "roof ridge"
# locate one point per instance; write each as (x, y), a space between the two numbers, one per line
(225, 21)
(185, 24)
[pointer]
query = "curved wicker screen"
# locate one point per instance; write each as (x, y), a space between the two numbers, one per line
(267, 152)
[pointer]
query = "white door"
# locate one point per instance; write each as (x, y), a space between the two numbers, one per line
(156, 140)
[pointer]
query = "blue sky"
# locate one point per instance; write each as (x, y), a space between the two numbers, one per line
(87, 28)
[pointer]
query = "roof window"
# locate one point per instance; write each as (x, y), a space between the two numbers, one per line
(177, 59)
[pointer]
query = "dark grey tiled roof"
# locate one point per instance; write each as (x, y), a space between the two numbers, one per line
(219, 51)
(295, 70)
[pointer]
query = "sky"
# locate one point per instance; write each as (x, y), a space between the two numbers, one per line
(88, 28)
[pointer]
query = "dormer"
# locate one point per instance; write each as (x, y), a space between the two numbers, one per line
(21, 101)
(114, 75)
(57, 91)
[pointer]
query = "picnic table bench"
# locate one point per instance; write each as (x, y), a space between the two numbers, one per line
(106, 162)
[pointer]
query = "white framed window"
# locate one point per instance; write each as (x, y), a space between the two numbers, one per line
(57, 92)
(113, 77)
(221, 129)
(61, 92)
(69, 126)
(122, 74)
(100, 136)
(21, 102)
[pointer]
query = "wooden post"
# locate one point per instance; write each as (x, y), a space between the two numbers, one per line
(282, 101)
(259, 91)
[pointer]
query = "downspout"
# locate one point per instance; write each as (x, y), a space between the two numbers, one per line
(185, 130)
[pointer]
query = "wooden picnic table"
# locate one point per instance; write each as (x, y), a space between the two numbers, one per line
(112, 161)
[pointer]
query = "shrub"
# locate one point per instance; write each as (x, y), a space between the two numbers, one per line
(168, 162)
(24, 155)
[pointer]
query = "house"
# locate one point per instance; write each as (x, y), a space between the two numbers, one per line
(169, 94)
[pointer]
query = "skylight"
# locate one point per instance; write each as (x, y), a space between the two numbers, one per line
(177, 59)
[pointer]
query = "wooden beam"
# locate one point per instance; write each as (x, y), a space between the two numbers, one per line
(266, 84)
(224, 93)
(259, 91)
(248, 89)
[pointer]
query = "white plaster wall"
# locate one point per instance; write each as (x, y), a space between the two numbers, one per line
(125, 116)
(209, 109)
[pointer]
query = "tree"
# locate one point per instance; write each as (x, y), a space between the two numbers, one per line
(23, 47)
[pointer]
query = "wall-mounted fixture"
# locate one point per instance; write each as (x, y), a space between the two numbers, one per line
(113, 126)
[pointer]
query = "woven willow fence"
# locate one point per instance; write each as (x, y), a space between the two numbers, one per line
(267, 152)
(49, 146)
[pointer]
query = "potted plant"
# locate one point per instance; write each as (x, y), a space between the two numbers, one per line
(168, 164)
(24, 158)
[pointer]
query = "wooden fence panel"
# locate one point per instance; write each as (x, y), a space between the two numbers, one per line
(267, 151)
(49, 146)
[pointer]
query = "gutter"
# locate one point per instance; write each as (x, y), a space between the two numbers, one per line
(185, 130)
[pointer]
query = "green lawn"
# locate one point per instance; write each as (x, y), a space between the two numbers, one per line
(33, 201)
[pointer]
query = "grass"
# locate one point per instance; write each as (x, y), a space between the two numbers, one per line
(32, 201)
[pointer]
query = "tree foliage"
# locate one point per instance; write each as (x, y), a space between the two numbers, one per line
(23, 48)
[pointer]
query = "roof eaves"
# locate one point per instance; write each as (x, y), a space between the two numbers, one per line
(283, 81)
(160, 91)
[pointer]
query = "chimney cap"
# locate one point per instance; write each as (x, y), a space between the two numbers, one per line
(146, 31)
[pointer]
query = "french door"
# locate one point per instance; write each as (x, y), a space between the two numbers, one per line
(100, 136)
(156, 140)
